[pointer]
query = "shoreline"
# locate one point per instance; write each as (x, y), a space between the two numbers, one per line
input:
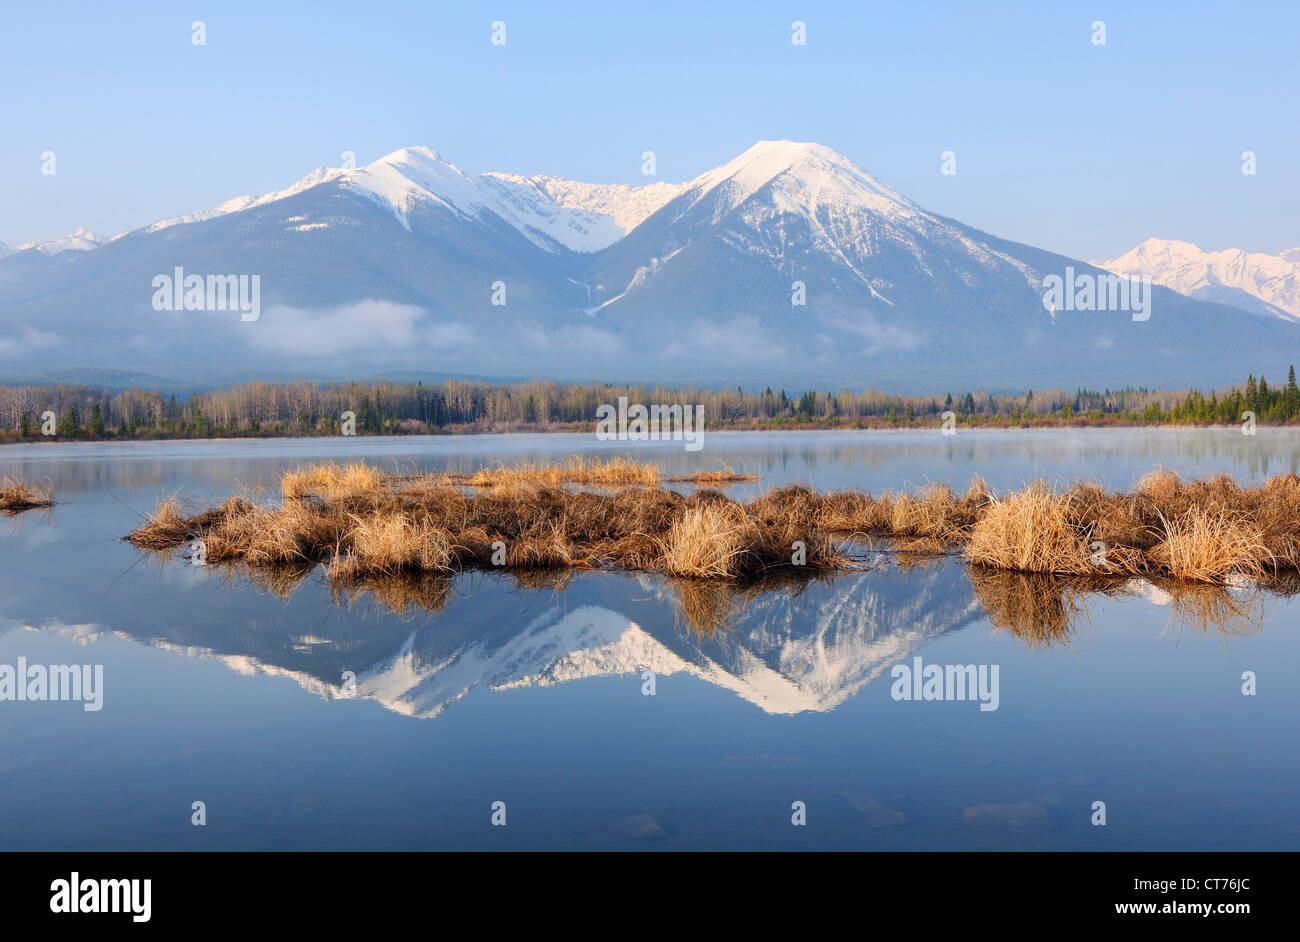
(987, 427)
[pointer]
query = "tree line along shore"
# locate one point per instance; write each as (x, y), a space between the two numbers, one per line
(289, 409)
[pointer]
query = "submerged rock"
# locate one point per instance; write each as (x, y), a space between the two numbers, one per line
(876, 814)
(1024, 816)
(636, 827)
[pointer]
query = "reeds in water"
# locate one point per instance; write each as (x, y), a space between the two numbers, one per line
(17, 496)
(360, 521)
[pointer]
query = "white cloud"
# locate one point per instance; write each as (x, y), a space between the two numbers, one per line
(879, 337)
(27, 340)
(741, 339)
(361, 326)
(583, 340)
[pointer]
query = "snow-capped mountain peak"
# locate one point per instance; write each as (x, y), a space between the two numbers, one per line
(83, 240)
(808, 174)
(405, 178)
(1268, 284)
(551, 212)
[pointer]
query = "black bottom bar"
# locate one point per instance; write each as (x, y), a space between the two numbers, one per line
(366, 891)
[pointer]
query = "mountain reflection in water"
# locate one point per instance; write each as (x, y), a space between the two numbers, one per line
(419, 643)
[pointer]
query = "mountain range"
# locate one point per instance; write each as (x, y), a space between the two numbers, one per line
(1253, 281)
(787, 265)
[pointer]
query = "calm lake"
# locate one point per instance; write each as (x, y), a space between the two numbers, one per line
(398, 718)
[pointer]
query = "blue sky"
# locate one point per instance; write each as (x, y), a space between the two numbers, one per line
(1065, 145)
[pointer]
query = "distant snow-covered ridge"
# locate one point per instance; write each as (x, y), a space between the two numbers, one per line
(1266, 284)
(83, 240)
(552, 212)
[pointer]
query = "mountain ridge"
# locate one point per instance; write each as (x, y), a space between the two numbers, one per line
(1256, 281)
(788, 264)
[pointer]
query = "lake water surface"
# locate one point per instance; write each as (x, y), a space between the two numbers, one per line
(480, 689)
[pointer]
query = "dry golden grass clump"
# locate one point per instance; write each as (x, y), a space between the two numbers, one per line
(725, 476)
(166, 527)
(845, 511)
(1202, 546)
(931, 515)
(388, 543)
(613, 472)
(17, 496)
(1028, 531)
(360, 521)
(708, 542)
(1209, 530)
(332, 481)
